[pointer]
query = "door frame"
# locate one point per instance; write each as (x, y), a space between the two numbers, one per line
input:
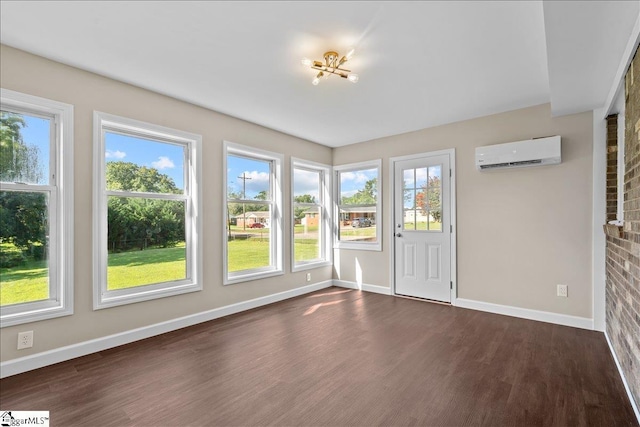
(451, 152)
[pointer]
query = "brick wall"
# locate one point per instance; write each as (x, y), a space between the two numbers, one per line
(612, 167)
(623, 248)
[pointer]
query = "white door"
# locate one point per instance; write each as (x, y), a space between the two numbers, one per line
(422, 227)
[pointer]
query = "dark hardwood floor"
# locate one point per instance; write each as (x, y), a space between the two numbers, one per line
(339, 357)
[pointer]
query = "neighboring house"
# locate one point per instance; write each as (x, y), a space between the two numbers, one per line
(347, 213)
(261, 217)
(310, 219)
(411, 216)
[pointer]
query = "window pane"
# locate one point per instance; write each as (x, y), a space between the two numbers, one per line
(306, 186)
(24, 247)
(25, 148)
(248, 178)
(409, 178)
(306, 234)
(421, 177)
(138, 164)
(146, 242)
(359, 187)
(357, 224)
(434, 196)
(248, 236)
(409, 219)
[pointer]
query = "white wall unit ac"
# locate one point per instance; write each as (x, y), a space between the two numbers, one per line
(531, 152)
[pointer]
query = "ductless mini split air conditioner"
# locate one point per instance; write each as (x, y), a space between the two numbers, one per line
(531, 152)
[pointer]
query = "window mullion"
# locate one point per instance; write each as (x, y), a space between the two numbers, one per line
(139, 195)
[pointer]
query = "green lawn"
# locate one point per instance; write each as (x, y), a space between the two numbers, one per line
(422, 225)
(128, 269)
(357, 233)
(24, 283)
(248, 253)
(29, 282)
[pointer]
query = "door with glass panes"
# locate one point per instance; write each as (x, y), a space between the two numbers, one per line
(422, 227)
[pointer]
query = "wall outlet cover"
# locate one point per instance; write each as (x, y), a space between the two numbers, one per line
(562, 291)
(25, 340)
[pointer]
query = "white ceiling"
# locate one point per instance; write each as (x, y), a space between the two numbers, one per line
(421, 64)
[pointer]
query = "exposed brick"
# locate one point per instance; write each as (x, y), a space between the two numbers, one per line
(623, 253)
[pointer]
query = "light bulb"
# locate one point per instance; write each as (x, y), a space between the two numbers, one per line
(349, 54)
(317, 79)
(353, 78)
(306, 62)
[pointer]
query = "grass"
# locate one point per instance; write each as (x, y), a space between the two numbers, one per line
(422, 225)
(29, 282)
(357, 233)
(248, 254)
(25, 283)
(129, 269)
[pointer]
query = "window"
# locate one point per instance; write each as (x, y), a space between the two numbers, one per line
(36, 208)
(358, 206)
(253, 218)
(147, 227)
(422, 198)
(311, 220)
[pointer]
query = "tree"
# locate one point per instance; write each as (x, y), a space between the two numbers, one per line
(19, 162)
(23, 219)
(432, 203)
(23, 215)
(128, 176)
(299, 212)
(140, 222)
(367, 196)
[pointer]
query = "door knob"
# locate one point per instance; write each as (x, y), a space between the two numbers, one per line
(398, 234)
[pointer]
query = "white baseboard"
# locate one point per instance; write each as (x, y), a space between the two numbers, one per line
(364, 287)
(525, 313)
(39, 360)
(624, 380)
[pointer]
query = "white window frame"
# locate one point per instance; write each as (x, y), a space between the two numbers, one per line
(621, 164)
(60, 191)
(276, 226)
(323, 205)
(192, 195)
(351, 167)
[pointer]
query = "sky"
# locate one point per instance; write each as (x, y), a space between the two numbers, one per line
(167, 158)
(353, 181)
(256, 172)
(37, 133)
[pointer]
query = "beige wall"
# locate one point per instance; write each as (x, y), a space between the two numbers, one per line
(88, 92)
(520, 231)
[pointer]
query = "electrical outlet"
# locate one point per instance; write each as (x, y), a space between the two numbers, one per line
(308, 277)
(563, 291)
(25, 340)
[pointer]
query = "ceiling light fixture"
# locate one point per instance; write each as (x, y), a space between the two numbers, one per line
(332, 65)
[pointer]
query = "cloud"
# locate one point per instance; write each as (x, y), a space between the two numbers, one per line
(257, 181)
(109, 154)
(163, 162)
(358, 177)
(306, 182)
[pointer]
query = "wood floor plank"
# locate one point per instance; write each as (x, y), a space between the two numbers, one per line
(340, 358)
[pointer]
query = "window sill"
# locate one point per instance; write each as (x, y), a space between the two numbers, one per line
(310, 266)
(252, 276)
(35, 315)
(107, 301)
(359, 246)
